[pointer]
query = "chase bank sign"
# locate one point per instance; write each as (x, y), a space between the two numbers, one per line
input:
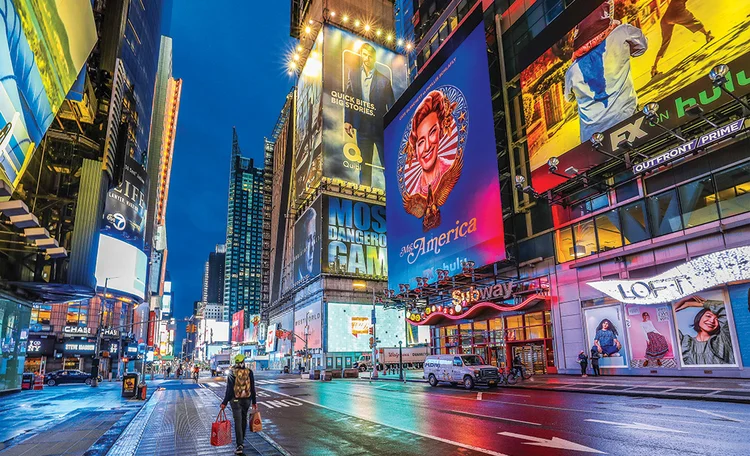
(696, 275)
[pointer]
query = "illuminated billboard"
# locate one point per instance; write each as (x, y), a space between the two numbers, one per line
(238, 326)
(443, 203)
(307, 232)
(308, 322)
(354, 238)
(623, 55)
(121, 267)
(124, 215)
(361, 81)
(43, 46)
(348, 325)
(309, 122)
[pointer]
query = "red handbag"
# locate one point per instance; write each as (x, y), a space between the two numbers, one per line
(221, 430)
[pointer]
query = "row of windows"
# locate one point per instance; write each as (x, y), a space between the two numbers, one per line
(444, 31)
(701, 201)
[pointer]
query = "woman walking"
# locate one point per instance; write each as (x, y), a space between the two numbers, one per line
(583, 360)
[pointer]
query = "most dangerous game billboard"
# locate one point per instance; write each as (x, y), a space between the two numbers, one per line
(443, 204)
(627, 53)
(361, 81)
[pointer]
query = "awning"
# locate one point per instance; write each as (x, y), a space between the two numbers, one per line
(438, 317)
(54, 292)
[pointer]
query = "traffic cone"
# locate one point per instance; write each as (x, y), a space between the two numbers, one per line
(38, 383)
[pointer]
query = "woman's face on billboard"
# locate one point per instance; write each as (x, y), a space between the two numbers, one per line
(428, 138)
(709, 323)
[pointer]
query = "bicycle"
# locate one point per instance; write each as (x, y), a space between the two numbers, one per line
(508, 378)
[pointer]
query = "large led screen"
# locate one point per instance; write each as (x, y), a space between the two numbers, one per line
(623, 55)
(121, 267)
(309, 122)
(443, 202)
(43, 46)
(361, 81)
(349, 324)
(307, 235)
(124, 215)
(354, 241)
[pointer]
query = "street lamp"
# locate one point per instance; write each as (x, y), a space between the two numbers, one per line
(95, 366)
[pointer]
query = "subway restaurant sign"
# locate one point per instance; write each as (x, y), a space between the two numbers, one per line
(696, 275)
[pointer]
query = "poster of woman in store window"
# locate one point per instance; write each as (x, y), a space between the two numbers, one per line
(703, 330)
(605, 332)
(650, 336)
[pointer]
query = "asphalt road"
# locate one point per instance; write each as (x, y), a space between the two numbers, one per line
(355, 417)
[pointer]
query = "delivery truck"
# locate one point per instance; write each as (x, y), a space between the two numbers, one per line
(412, 357)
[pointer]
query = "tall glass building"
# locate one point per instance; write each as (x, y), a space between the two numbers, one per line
(242, 273)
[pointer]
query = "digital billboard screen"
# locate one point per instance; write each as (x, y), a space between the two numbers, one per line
(124, 215)
(348, 326)
(308, 323)
(121, 267)
(238, 326)
(361, 81)
(309, 122)
(307, 235)
(354, 238)
(443, 190)
(43, 46)
(627, 53)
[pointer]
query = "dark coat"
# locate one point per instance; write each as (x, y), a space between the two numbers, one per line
(381, 96)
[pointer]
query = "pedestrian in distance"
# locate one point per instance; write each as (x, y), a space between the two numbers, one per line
(595, 361)
(169, 371)
(240, 394)
(518, 366)
(583, 360)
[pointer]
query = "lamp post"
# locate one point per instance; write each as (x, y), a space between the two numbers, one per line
(97, 360)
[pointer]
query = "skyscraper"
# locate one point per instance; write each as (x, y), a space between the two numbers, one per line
(242, 272)
(213, 280)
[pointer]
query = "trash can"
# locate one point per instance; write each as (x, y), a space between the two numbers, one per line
(27, 381)
(142, 391)
(129, 385)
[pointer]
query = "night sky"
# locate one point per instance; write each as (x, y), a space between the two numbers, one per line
(230, 56)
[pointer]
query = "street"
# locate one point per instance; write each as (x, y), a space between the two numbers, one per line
(348, 417)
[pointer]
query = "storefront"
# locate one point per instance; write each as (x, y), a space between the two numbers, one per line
(14, 331)
(685, 320)
(515, 320)
(40, 347)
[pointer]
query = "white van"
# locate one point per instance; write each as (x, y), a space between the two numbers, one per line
(469, 370)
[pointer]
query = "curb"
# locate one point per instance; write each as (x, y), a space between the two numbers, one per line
(677, 396)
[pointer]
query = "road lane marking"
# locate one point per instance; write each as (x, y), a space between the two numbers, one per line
(479, 396)
(493, 417)
(639, 426)
(420, 434)
(719, 416)
(554, 442)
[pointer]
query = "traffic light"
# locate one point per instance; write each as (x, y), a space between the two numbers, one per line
(372, 342)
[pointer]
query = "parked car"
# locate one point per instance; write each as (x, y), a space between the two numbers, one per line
(469, 370)
(68, 376)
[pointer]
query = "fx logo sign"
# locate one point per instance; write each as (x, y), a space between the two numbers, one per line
(630, 132)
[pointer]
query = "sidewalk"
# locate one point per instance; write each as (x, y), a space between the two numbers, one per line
(66, 419)
(707, 389)
(177, 420)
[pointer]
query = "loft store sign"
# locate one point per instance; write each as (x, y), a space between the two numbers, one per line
(696, 275)
(486, 293)
(77, 330)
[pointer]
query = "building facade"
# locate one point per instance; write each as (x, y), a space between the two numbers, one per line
(214, 276)
(242, 271)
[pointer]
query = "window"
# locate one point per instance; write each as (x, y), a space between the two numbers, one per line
(457, 361)
(496, 331)
(608, 231)
(480, 332)
(634, 223)
(564, 245)
(664, 212)
(733, 188)
(698, 201)
(585, 238)
(515, 328)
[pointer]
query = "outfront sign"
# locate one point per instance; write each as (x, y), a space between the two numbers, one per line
(696, 275)
(690, 146)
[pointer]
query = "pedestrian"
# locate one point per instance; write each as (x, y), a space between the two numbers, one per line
(169, 371)
(179, 372)
(241, 394)
(518, 366)
(595, 361)
(583, 360)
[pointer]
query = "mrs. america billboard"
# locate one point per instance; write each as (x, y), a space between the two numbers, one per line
(443, 204)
